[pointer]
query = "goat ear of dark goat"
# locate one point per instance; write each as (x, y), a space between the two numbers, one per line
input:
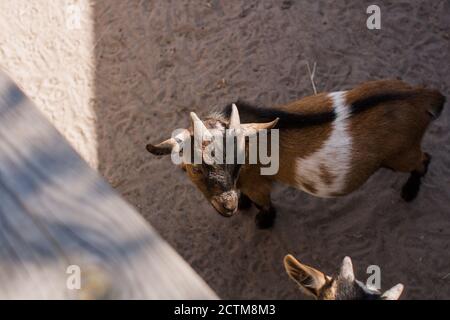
(309, 279)
(393, 293)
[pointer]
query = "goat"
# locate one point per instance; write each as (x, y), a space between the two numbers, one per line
(343, 287)
(329, 144)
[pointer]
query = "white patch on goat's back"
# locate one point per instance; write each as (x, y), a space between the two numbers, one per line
(334, 155)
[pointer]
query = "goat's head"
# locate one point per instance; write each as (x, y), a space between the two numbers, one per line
(206, 158)
(343, 287)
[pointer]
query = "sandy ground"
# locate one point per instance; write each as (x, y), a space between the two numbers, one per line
(51, 57)
(135, 69)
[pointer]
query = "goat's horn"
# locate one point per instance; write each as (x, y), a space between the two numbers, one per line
(235, 122)
(197, 123)
(196, 120)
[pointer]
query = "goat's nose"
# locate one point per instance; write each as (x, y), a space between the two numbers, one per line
(230, 200)
(229, 205)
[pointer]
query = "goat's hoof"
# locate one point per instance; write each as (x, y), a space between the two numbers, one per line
(244, 202)
(426, 162)
(265, 219)
(410, 190)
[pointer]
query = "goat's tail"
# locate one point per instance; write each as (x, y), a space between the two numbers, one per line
(435, 102)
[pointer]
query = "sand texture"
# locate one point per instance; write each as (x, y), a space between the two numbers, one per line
(135, 70)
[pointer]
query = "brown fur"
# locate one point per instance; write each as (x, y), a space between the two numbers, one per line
(325, 174)
(387, 123)
(250, 176)
(293, 143)
(340, 287)
(387, 135)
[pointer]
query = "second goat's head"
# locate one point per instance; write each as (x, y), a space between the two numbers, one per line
(344, 286)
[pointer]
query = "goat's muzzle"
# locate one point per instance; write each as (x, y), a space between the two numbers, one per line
(226, 203)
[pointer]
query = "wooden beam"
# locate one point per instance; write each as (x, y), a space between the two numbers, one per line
(55, 212)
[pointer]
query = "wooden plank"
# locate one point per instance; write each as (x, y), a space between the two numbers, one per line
(55, 211)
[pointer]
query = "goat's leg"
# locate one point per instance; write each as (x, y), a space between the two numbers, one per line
(266, 217)
(416, 162)
(245, 202)
(412, 186)
(259, 194)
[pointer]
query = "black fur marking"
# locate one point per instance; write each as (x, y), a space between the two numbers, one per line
(288, 120)
(361, 105)
(250, 113)
(412, 187)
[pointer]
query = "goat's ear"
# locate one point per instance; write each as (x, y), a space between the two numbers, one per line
(310, 280)
(160, 149)
(253, 128)
(393, 293)
(167, 146)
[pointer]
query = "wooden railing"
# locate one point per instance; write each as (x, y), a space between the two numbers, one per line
(64, 232)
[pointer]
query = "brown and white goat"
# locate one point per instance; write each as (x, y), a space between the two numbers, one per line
(342, 287)
(329, 144)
